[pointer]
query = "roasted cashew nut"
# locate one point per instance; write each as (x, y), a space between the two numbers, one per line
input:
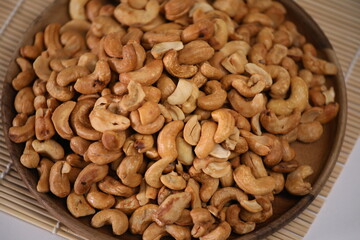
(58, 179)
(295, 183)
(92, 173)
(116, 218)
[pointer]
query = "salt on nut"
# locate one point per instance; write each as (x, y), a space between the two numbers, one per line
(114, 217)
(92, 173)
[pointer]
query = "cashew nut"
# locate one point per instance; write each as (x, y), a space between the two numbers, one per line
(295, 183)
(114, 217)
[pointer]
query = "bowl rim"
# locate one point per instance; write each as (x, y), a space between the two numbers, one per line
(293, 212)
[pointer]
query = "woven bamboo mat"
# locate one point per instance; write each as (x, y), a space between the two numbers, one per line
(339, 20)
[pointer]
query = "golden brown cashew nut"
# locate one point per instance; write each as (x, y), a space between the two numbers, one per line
(114, 217)
(44, 128)
(170, 210)
(279, 181)
(259, 217)
(226, 124)
(220, 37)
(113, 140)
(103, 119)
(260, 145)
(166, 86)
(256, 164)
(282, 82)
(142, 218)
(150, 128)
(58, 92)
(23, 133)
(44, 172)
(195, 52)
(146, 75)
(41, 66)
(244, 107)
(309, 132)
(276, 153)
(59, 180)
(78, 206)
(166, 141)
(216, 97)
(221, 232)
(103, 25)
(92, 173)
(319, 66)
(206, 142)
(71, 74)
(178, 232)
(247, 182)
(98, 154)
(192, 130)
(159, 49)
(194, 189)
(130, 16)
(135, 97)
(181, 93)
(153, 232)
(173, 181)
(24, 99)
(280, 125)
(295, 183)
(60, 119)
(30, 158)
(33, 51)
(49, 148)
(25, 77)
(148, 112)
(128, 170)
(99, 200)
(233, 218)
(224, 195)
(209, 185)
(208, 71)
(79, 145)
(185, 151)
(298, 99)
(173, 66)
(154, 172)
(127, 63)
(114, 187)
(203, 220)
(201, 30)
(96, 81)
(77, 9)
(175, 9)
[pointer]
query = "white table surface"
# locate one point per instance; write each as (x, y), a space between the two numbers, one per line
(339, 217)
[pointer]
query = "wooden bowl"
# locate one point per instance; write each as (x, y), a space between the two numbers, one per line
(321, 155)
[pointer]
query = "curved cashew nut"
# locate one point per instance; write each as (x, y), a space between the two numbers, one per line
(30, 158)
(195, 52)
(127, 15)
(19, 134)
(25, 77)
(33, 51)
(44, 128)
(41, 66)
(181, 93)
(80, 122)
(233, 218)
(202, 220)
(77, 9)
(99, 200)
(282, 83)
(246, 108)
(255, 163)
(260, 145)
(185, 151)
(78, 206)
(71, 74)
(209, 185)
(24, 100)
(134, 98)
(194, 189)
(102, 120)
(173, 66)
(282, 125)
(92, 173)
(252, 68)
(217, 169)
(49, 148)
(221, 232)
(201, 30)
(98, 154)
(250, 87)
(206, 142)
(295, 183)
(309, 132)
(146, 75)
(247, 182)
(279, 181)
(226, 124)
(220, 37)
(58, 92)
(128, 62)
(59, 180)
(44, 171)
(298, 99)
(154, 172)
(159, 49)
(142, 218)
(153, 232)
(166, 141)
(148, 112)
(173, 181)
(224, 195)
(276, 153)
(128, 170)
(259, 217)
(114, 217)
(150, 128)
(175, 9)
(114, 187)
(216, 97)
(192, 130)
(170, 210)
(319, 66)
(60, 119)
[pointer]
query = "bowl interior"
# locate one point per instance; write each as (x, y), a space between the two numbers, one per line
(321, 155)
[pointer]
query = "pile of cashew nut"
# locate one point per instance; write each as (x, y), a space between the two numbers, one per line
(171, 117)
